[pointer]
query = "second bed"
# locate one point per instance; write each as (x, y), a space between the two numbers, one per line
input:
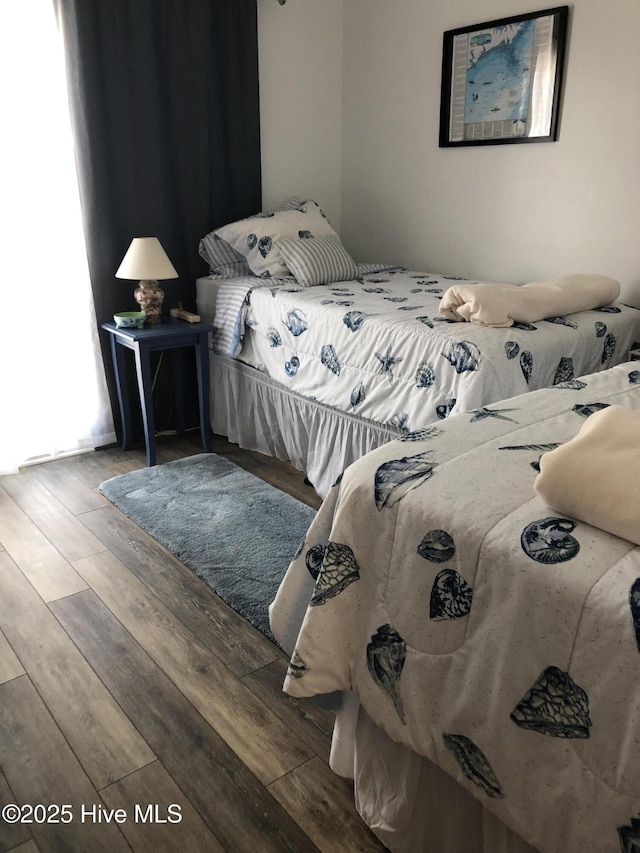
(321, 375)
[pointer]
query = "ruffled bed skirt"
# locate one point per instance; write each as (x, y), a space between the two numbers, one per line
(411, 804)
(254, 411)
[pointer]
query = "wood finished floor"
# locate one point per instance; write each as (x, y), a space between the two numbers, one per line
(126, 682)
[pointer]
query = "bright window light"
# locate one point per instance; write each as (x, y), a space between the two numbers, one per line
(52, 384)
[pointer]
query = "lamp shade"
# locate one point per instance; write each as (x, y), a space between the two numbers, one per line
(146, 259)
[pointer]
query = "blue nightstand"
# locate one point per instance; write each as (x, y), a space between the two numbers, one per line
(173, 335)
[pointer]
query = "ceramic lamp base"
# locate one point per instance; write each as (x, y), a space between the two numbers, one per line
(149, 296)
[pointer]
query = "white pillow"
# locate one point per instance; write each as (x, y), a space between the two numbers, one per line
(257, 238)
(222, 258)
(319, 260)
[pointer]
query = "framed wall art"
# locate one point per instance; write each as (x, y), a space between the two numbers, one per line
(501, 80)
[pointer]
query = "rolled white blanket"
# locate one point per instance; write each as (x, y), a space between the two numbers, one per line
(502, 305)
(595, 477)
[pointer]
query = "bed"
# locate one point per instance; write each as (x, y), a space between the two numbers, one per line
(321, 375)
(317, 359)
(475, 634)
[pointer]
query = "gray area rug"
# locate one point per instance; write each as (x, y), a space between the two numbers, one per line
(232, 529)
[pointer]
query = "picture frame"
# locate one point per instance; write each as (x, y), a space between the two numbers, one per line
(502, 79)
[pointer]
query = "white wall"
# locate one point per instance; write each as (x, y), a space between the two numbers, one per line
(300, 66)
(350, 95)
(507, 212)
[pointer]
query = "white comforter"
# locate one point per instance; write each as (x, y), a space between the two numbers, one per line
(479, 627)
(379, 348)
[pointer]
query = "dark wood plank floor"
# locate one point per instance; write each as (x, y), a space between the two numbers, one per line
(132, 694)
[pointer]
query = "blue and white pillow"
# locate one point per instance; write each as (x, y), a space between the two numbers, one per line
(319, 260)
(223, 259)
(257, 238)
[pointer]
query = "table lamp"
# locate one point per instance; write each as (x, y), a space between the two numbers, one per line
(147, 261)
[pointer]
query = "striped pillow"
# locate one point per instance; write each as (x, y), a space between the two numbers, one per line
(318, 260)
(222, 258)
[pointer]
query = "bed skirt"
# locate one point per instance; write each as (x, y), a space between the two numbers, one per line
(254, 411)
(410, 804)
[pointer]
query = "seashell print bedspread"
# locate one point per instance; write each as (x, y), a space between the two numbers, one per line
(479, 627)
(377, 347)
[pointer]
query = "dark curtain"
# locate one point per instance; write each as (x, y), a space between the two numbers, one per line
(165, 112)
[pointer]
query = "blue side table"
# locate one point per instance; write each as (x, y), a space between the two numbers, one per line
(172, 335)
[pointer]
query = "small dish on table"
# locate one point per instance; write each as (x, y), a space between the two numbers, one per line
(129, 319)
